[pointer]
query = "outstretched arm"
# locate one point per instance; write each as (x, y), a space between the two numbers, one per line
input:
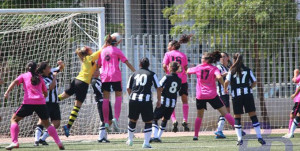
(11, 86)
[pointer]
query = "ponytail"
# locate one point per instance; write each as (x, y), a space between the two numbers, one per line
(237, 65)
(212, 57)
(31, 67)
(81, 52)
(183, 39)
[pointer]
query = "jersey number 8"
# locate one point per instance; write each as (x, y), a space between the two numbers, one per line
(173, 87)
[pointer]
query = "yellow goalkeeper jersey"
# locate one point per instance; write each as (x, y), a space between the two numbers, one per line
(88, 67)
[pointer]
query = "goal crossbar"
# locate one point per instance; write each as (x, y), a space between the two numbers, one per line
(53, 10)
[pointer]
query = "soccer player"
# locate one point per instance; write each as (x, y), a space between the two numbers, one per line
(139, 90)
(49, 75)
(79, 86)
(295, 113)
(206, 90)
(111, 76)
(97, 84)
(34, 101)
(242, 81)
(174, 54)
(171, 84)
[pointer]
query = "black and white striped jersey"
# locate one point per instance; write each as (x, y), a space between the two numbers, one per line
(52, 94)
(171, 85)
(97, 84)
(241, 85)
(140, 83)
(223, 70)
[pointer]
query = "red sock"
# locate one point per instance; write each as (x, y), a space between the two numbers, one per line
(198, 122)
(290, 123)
(173, 116)
(52, 132)
(118, 106)
(14, 132)
(105, 110)
(230, 119)
(185, 109)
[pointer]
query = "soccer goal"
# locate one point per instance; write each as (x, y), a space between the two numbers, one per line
(47, 35)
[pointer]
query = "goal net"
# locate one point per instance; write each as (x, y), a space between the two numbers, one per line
(47, 35)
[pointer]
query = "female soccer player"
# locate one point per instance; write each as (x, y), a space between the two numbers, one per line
(295, 113)
(49, 75)
(34, 101)
(139, 90)
(97, 84)
(174, 54)
(242, 81)
(79, 86)
(111, 76)
(171, 84)
(206, 90)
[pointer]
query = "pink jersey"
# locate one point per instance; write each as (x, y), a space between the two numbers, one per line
(109, 62)
(206, 81)
(33, 94)
(179, 57)
(297, 97)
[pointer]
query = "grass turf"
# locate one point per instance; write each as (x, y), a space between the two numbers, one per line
(274, 143)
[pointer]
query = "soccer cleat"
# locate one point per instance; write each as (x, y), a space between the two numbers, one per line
(107, 127)
(219, 134)
(157, 140)
(116, 125)
(103, 140)
(195, 138)
(129, 143)
(239, 143)
(61, 146)
(261, 141)
(36, 143)
(175, 128)
(243, 133)
(43, 142)
(288, 135)
(12, 145)
(185, 126)
(146, 146)
(66, 130)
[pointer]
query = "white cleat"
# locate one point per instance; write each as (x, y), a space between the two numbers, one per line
(288, 135)
(129, 143)
(146, 146)
(12, 145)
(116, 125)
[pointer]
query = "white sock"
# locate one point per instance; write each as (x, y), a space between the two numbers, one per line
(131, 133)
(155, 130)
(221, 123)
(161, 130)
(257, 130)
(294, 126)
(38, 133)
(45, 135)
(102, 133)
(147, 136)
(238, 131)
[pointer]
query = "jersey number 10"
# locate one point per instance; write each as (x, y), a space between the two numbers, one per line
(140, 79)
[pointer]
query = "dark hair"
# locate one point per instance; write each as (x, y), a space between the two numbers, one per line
(174, 66)
(144, 63)
(237, 65)
(42, 66)
(212, 57)
(110, 41)
(229, 61)
(183, 39)
(31, 67)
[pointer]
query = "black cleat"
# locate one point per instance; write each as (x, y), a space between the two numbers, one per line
(175, 128)
(261, 141)
(195, 138)
(185, 126)
(239, 143)
(243, 133)
(103, 140)
(36, 143)
(43, 142)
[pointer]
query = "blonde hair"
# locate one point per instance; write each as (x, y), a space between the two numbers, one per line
(82, 52)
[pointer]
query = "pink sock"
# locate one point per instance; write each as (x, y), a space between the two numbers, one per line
(105, 110)
(290, 123)
(14, 132)
(197, 126)
(52, 132)
(173, 116)
(118, 105)
(185, 109)
(230, 119)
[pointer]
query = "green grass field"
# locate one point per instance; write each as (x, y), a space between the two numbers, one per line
(177, 144)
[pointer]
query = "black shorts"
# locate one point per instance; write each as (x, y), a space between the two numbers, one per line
(216, 103)
(241, 102)
(112, 86)
(225, 100)
(79, 88)
(164, 112)
(140, 107)
(184, 89)
(99, 106)
(295, 109)
(54, 111)
(27, 109)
